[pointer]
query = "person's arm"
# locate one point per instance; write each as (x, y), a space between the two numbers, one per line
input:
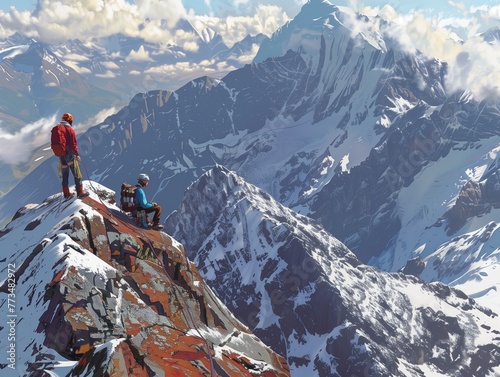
(72, 141)
(141, 198)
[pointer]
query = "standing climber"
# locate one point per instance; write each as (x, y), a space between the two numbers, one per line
(64, 145)
(144, 205)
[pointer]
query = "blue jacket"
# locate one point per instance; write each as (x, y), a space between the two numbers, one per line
(140, 198)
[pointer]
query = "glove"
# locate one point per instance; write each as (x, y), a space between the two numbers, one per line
(154, 204)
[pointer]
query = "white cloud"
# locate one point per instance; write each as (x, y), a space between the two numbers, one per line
(17, 148)
(75, 65)
(110, 65)
(96, 119)
(106, 75)
(76, 57)
(191, 46)
(266, 20)
(59, 20)
(475, 68)
(180, 73)
(241, 2)
(169, 10)
(221, 8)
(248, 57)
(473, 63)
(140, 55)
(356, 4)
(459, 5)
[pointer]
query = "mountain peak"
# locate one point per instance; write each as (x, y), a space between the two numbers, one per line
(325, 29)
(208, 35)
(307, 296)
(94, 290)
(214, 195)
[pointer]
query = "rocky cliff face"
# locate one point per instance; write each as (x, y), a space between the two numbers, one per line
(92, 294)
(474, 199)
(307, 296)
(367, 203)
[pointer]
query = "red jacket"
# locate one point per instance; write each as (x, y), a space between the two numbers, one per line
(71, 140)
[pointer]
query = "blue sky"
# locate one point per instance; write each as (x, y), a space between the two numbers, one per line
(226, 7)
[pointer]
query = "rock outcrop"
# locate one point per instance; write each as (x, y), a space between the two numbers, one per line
(113, 299)
(474, 199)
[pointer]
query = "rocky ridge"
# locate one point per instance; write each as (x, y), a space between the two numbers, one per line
(96, 295)
(307, 295)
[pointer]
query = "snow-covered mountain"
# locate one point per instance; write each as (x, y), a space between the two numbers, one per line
(302, 118)
(303, 131)
(40, 80)
(37, 79)
(346, 128)
(84, 292)
(306, 295)
(35, 82)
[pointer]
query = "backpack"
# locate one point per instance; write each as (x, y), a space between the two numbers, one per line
(58, 140)
(127, 194)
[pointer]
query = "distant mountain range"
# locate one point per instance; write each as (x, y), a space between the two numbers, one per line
(343, 148)
(38, 80)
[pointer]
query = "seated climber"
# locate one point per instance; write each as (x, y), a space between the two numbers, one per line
(145, 206)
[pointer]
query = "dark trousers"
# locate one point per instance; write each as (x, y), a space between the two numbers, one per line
(67, 164)
(156, 209)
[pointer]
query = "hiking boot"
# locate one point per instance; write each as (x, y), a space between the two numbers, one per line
(157, 226)
(81, 194)
(67, 193)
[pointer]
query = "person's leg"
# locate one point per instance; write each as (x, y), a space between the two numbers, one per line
(78, 182)
(65, 178)
(157, 213)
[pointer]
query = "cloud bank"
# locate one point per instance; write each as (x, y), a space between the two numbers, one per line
(56, 21)
(472, 60)
(17, 148)
(60, 20)
(266, 20)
